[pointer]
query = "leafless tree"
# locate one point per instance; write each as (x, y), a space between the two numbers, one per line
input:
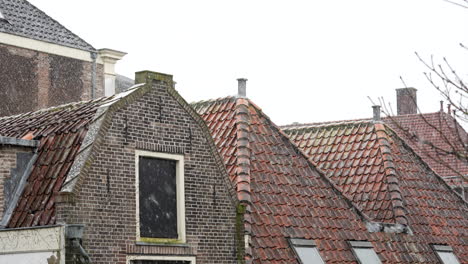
(451, 147)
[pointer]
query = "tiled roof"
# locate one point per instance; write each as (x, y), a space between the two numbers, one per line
(435, 137)
(386, 178)
(354, 157)
(287, 197)
(61, 131)
(24, 19)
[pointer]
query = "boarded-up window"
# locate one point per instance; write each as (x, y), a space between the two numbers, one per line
(158, 199)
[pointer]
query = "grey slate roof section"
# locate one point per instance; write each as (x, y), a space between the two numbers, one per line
(24, 19)
(122, 83)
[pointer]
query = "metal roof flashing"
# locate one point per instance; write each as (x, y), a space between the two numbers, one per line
(18, 142)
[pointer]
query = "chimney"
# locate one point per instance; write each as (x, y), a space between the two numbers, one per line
(241, 87)
(109, 58)
(406, 101)
(376, 110)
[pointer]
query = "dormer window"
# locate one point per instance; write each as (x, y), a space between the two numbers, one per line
(2, 17)
(445, 254)
(364, 252)
(160, 197)
(306, 251)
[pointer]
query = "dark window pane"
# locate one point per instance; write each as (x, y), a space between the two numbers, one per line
(159, 262)
(158, 204)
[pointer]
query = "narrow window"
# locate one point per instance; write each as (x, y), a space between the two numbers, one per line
(445, 254)
(1, 15)
(160, 197)
(364, 252)
(306, 250)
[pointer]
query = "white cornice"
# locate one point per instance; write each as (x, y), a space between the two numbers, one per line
(42, 46)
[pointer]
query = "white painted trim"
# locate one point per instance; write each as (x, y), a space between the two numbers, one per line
(180, 186)
(42, 46)
(175, 258)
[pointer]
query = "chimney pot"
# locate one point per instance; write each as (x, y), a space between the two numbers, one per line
(407, 101)
(376, 110)
(449, 109)
(441, 106)
(241, 87)
(109, 58)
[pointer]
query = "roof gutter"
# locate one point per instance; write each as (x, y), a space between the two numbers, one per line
(93, 74)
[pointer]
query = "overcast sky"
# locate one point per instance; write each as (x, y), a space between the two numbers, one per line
(306, 61)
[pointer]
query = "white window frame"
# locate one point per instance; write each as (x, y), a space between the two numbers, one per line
(180, 196)
(167, 258)
(303, 243)
(362, 245)
(445, 249)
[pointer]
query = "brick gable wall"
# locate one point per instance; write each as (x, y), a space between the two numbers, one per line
(106, 199)
(32, 80)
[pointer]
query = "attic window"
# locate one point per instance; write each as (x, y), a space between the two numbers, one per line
(445, 254)
(306, 250)
(160, 197)
(364, 252)
(1, 15)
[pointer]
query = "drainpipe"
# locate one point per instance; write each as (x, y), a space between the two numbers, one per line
(93, 74)
(74, 251)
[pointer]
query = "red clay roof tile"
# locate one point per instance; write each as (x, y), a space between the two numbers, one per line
(61, 131)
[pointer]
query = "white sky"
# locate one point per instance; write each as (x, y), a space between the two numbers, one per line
(306, 61)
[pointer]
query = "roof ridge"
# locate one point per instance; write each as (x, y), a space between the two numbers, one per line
(243, 154)
(396, 197)
(198, 104)
(324, 124)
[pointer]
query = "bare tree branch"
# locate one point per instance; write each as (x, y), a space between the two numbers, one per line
(460, 3)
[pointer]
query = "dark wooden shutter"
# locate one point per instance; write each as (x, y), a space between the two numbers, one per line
(158, 198)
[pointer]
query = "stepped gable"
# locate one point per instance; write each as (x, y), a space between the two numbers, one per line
(61, 131)
(289, 198)
(24, 19)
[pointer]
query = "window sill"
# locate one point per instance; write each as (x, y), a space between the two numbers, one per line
(162, 244)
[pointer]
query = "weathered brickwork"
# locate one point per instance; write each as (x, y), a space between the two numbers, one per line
(106, 198)
(31, 80)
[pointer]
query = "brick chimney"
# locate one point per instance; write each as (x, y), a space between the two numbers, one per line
(406, 101)
(109, 58)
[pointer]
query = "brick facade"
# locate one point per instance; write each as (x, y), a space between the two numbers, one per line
(31, 80)
(105, 200)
